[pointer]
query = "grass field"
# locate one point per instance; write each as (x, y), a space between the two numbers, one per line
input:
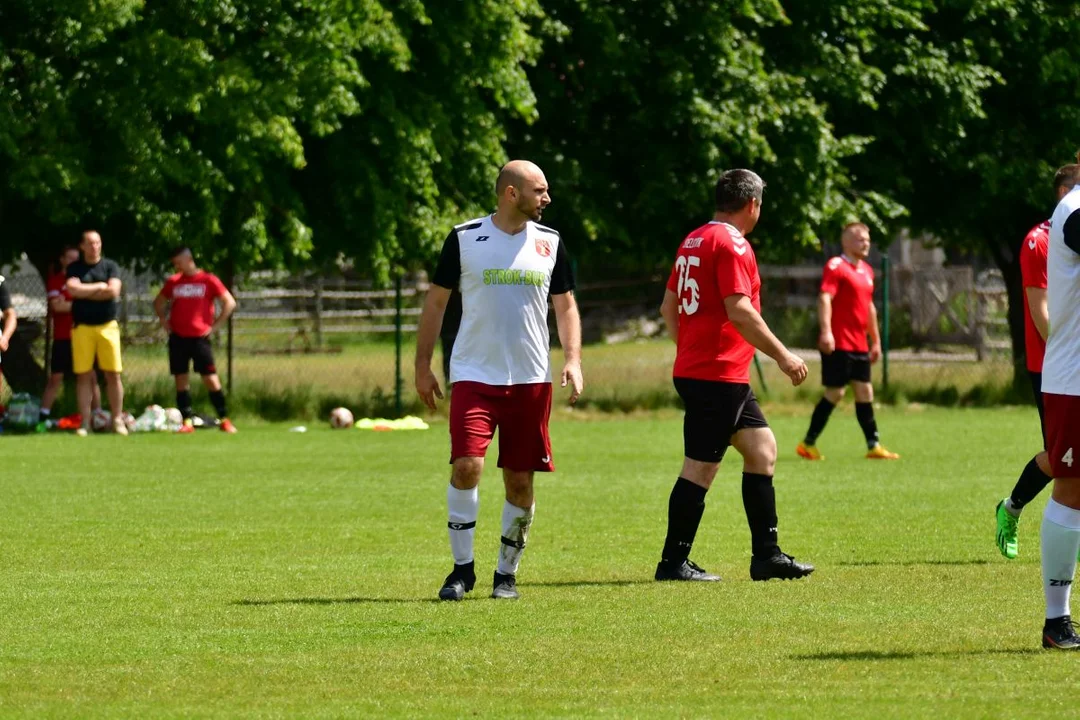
(291, 575)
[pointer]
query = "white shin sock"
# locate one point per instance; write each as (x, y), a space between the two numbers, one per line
(464, 506)
(516, 522)
(1060, 542)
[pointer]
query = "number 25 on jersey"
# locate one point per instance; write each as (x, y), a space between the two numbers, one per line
(688, 290)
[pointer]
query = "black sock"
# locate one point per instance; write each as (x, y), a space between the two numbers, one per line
(759, 501)
(818, 420)
(1031, 483)
(685, 508)
(865, 413)
(217, 397)
(183, 403)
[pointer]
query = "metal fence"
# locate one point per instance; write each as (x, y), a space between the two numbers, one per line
(300, 344)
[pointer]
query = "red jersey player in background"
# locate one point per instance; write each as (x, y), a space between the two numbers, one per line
(847, 314)
(190, 297)
(712, 312)
(1036, 328)
(61, 365)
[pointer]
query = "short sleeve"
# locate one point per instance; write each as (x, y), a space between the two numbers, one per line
(562, 276)
(167, 288)
(1033, 262)
(734, 274)
(830, 279)
(113, 270)
(448, 271)
(1071, 231)
(54, 288)
(5, 297)
(673, 279)
(217, 286)
(75, 269)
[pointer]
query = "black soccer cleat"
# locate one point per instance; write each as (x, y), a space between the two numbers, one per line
(1060, 634)
(505, 587)
(779, 567)
(686, 571)
(460, 581)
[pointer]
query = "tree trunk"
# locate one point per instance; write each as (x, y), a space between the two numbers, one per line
(1007, 259)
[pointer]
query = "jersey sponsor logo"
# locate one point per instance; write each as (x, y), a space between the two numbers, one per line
(191, 290)
(515, 277)
(543, 247)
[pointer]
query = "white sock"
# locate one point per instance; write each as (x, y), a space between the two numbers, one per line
(1060, 542)
(464, 506)
(1014, 511)
(515, 532)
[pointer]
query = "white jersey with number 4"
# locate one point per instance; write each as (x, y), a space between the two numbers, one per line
(1061, 367)
(505, 281)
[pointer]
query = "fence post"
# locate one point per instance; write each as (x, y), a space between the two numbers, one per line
(397, 346)
(885, 322)
(318, 312)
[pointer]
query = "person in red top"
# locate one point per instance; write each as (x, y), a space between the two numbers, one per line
(847, 314)
(1033, 252)
(190, 297)
(60, 365)
(712, 311)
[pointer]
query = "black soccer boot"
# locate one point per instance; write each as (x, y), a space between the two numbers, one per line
(460, 581)
(687, 571)
(780, 567)
(1060, 634)
(505, 587)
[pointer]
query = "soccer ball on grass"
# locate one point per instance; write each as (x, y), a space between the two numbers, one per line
(341, 418)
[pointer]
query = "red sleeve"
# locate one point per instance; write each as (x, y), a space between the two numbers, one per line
(217, 286)
(673, 280)
(1033, 262)
(734, 271)
(167, 288)
(55, 286)
(830, 279)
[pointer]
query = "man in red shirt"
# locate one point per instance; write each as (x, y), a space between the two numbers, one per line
(847, 314)
(190, 297)
(1033, 254)
(61, 364)
(712, 312)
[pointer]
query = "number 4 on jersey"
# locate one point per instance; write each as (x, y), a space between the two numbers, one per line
(1067, 458)
(687, 284)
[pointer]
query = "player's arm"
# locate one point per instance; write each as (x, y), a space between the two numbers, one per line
(78, 290)
(826, 341)
(10, 319)
(874, 331)
(748, 321)
(59, 304)
(228, 307)
(669, 310)
(568, 321)
(161, 307)
(447, 277)
(1040, 309)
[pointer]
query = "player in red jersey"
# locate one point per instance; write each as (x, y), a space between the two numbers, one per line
(847, 315)
(712, 309)
(190, 297)
(1033, 254)
(61, 364)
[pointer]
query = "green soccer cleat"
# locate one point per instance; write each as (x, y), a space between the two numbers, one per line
(1006, 532)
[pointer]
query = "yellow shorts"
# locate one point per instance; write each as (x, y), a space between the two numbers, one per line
(96, 341)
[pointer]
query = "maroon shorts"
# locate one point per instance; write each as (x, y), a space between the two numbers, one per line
(520, 412)
(1063, 434)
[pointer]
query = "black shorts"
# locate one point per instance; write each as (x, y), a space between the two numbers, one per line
(186, 352)
(1036, 385)
(61, 361)
(841, 367)
(715, 411)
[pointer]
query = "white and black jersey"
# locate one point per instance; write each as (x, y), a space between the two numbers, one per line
(1061, 366)
(505, 281)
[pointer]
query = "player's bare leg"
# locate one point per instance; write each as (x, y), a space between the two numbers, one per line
(463, 505)
(686, 505)
(114, 389)
(84, 389)
(1060, 540)
(822, 412)
(517, 517)
(758, 448)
